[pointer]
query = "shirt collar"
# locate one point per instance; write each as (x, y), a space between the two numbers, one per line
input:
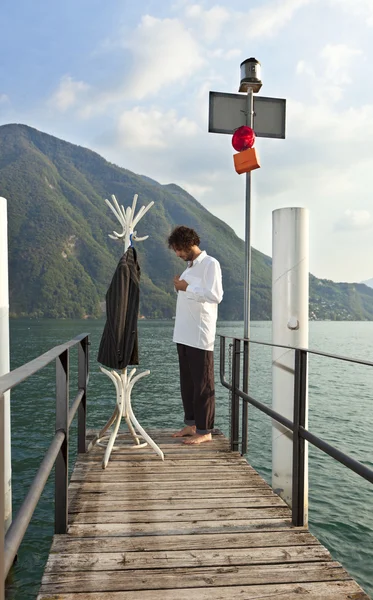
(197, 260)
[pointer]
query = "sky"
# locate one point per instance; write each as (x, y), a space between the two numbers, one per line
(131, 81)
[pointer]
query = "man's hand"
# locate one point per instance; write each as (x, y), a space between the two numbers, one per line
(180, 284)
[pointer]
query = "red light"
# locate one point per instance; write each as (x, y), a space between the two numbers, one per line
(243, 138)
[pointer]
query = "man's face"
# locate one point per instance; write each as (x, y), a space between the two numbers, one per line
(186, 255)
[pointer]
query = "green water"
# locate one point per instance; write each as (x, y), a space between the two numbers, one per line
(341, 411)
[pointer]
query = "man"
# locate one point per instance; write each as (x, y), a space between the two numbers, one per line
(199, 291)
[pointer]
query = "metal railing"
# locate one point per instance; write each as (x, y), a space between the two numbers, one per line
(58, 451)
(296, 426)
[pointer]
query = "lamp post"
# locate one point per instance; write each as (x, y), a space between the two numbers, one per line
(250, 83)
(266, 116)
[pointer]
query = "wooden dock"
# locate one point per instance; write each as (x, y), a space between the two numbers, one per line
(202, 525)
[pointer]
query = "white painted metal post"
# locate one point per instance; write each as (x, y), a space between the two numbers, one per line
(290, 293)
(2, 488)
(4, 358)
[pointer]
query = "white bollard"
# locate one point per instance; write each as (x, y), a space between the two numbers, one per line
(290, 299)
(4, 358)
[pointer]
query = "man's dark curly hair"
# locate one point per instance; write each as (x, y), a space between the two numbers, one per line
(183, 238)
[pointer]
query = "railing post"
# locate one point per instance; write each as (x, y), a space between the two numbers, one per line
(62, 461)
(83, 366)
(222, 358)
(300, 468)
(235, 401)
(2, 493)
(245, 388)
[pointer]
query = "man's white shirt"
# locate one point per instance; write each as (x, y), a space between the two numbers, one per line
(197, 307)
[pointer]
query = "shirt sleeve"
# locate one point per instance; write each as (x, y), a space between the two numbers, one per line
(213, 288)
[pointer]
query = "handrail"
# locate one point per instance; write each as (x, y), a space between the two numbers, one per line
(297, 426)
(19, 526)
(18, 375)
(308, 350)
(75, 406)
(57, 453)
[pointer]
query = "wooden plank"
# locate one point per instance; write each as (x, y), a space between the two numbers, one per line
(156, 528)
(211, 541)
(96, 455)
(99, 492)
(217, 442)
(126, 440)
(174, 516)
(155, 432)
(209, 449)
(90, 503)
(164, 485)
(145, 579)
(117, 561)
(157, 478)
(166, 466)
(328, 590)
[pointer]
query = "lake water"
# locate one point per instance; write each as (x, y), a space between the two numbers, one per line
(340, 411)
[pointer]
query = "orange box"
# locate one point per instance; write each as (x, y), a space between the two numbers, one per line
(246, 161)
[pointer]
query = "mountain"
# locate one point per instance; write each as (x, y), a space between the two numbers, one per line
(368, 282)
(61, 259)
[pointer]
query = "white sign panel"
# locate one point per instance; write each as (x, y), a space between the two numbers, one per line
(227, 112)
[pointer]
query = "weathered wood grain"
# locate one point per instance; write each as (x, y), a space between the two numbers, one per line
(202, 524)
(183, 477)
(156, 528)
(177, 578)
(255, 539)
(149, 457)
(176, 515)
(327, 590)
(149, 486)
(117, 561)
(90, 503)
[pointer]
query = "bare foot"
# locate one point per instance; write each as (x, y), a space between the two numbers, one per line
(199, 438)
(187, 430)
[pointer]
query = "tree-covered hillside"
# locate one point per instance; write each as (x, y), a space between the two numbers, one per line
(61, 259)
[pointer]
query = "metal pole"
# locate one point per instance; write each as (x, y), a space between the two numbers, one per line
(5, 361)
(235, 406)
(299, 499)
(2, 532)
(250, 123)
(62, 461)
(245, 405)
(247, 293)
(82, 385)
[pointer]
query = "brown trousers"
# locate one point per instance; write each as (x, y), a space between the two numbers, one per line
(197, 387)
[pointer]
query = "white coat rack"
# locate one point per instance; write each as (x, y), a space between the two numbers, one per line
(123, 381)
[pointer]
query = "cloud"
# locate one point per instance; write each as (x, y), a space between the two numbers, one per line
(225, 54)
(353, 220)
(324, 126)
(68, 93)
(139, 128)
(197, 190)
(164, 53)
(356, 8)
(332, 73)
(267, 21)
(210, 21)
(4, 99)
(338, 59)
